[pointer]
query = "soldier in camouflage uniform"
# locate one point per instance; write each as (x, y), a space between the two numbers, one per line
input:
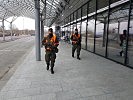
(76, 43)
(123, 43)
(51, 43)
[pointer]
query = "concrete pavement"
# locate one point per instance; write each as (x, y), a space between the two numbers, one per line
(11, 53)
(91, 78)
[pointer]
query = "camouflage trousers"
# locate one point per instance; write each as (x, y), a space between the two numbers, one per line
(74, 47)
(50, 58)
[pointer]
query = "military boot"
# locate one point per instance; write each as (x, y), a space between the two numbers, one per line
(121, 53)
(47, 66)
(78, 57)
(73, 55)
(52, 71)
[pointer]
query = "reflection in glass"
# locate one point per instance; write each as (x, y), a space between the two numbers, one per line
(83, 34)
(114, 47)
(130, 45)
(100, 47)
(90, 35)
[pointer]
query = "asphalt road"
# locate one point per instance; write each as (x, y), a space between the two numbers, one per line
(11, 53)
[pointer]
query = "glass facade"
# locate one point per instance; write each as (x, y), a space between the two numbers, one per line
(101, 27)
(90, 35)
(83, 34)
(100, 47)
(130, 40)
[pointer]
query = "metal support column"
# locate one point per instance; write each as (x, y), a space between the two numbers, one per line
(86, 39)
(95, 28)
(118, 35)
(11, 30)
(127, 35)
(81, 22)
(104, 32)
(42, 28)
(70, 25)
(37, 30)
(106, 53)
(3, 29)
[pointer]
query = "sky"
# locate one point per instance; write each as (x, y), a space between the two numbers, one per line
(22, 23)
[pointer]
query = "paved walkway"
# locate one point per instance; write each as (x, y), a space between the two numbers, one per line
(11, 53)
(92, 78)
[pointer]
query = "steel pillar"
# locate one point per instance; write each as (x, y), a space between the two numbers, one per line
(11, 30)
(104, 33)
(126, 60)
(95, 27)
(118, 35)
(37, 30)
(108, 22)
(42, 29)
(3, 29)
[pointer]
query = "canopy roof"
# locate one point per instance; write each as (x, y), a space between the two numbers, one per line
(55, 10)
(50, 9)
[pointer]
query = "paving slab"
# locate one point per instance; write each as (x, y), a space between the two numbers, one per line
(91, 78)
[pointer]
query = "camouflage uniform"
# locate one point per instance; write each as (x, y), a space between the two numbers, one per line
(76, 44)
(51, 50)
(123, 43)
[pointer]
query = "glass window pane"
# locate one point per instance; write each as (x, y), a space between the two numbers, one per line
(118, 23)
(100, 37)
(116, 39)
(130, 43)
(67, 34)
(63, 32)
(114, 42)
(90, 35)
(83, 34)
(74, 26)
